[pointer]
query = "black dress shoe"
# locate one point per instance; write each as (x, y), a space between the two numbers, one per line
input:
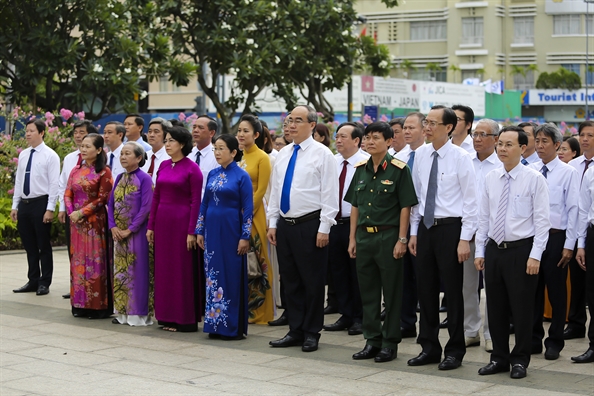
(408, 333)
(356, 329)
(26, 288)
(518, 371)
(586, 357)
(494, 368)
(383, 315)
(283, 320)
(310, 344)
(42, 290)
(66, 296)
(423, 359)
(286, 341)
(444, 324)
(571, 333)
(369, 352)
(449, 363)
(385, 355)
(330, 310)
(551, 354)
(340, 324)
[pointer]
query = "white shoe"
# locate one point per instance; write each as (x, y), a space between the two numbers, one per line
(488, 345)
(473, 341)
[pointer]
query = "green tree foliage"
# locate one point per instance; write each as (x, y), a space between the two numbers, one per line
(562, 79)
(83, 54)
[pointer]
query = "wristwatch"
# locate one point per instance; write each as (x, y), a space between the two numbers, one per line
(403, 240)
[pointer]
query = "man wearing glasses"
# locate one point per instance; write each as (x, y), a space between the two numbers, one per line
(512, 235)
(441, 227)
(303, 207)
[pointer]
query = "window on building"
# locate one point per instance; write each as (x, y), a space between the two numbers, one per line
(428, 30)
(590, 76)
(574, 67)
(163, 84)
(175, 88)
(472, 30)
(567, 24)
(590, 24)
(429, 75)
(470, 74)
(523, 83)
(524, 30)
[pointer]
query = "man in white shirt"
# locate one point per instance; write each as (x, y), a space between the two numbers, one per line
(461, 135)
(33, 205)
(585, 254)
(530, 156)
(302, 209)
(203, 131)
(576, 320)
(443, 222)
(81, 129)
(398, 142)
(157, 130)
(134, 124)
(564, 190)
(512, 235)
(342, 266)
(113, 134)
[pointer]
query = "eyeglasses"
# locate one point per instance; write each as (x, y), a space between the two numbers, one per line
(481, 135)
(297, 121)
(431, 124)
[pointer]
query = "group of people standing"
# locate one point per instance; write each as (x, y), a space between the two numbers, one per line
(190, 225)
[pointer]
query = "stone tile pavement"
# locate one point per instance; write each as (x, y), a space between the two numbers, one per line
(46, 351)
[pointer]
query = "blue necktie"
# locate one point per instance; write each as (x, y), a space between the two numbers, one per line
(285, 203)
(411, 160)
(524, 162)
(431, 193)
(111, 161)
(198, 154)
(27, 186)
(544, 170)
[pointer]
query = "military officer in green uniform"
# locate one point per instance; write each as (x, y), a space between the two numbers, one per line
(381, 194)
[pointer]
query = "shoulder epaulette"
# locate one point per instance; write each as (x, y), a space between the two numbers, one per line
(397, 163)
(358, 164)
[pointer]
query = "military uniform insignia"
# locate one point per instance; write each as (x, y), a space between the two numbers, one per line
(384, 165)
(387, 182)
(360, 163)
(397, 163)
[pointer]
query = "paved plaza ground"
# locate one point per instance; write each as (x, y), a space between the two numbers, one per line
(44, 350)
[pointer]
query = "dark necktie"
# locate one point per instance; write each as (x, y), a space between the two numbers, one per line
(586, 165)
(431, 193)
(341, 181)
(152, 167)
(544, 170)
(524, 162)
(27, 186)
(198, 155)
(285, 203)
(79, 159)
(111, 161)
(411, 160)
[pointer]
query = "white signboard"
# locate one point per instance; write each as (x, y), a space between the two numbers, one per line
(389, 93)
(558, 97)
(447, 94)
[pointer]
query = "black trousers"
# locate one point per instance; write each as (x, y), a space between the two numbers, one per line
(302, 268)
(590, 281)
(510, 292)
(408, 314)
(554, 278)
(35, 235)
(344, 274)
(577, 305)
(437, 259)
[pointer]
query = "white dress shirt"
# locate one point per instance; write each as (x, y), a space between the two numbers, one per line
(117, 167)
(579, 164)
(468, 145)
(273, 153)
(351, 162)
(564, 191)
(405, 151)
(160, 156)
(207, 161)
(527, 213)
(314, 186)
(532, 158)
(147, 147)
(404, 155)
(456, 189)
(586, 207)
(481, 168)
(44, 177)
(70, 161)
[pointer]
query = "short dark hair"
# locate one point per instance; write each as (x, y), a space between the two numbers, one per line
(448, 117)
(383, 127)
(183, 137)
(40, 125)
(165, 125)
(323, 131)
(551, 131)
(256, 126)
(176, 122)
(137, 119)
(522, 135)
(585, 124)
(120, 129)
(574, 144)
(98, 142)
(417, 114)
(468, 114)
(232, 144)
(397, 121)
(530, 124)
(357, 132)
(87, 124)
(212, 124)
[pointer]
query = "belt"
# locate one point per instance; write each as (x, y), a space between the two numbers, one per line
(343, 220)
(445, 220)
(374, 229)
(31, 200)
(513, 244)
(555, 231)
(302, 219)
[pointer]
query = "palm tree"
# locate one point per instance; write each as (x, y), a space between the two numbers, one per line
(455, 69)
(406, 64)
(433, 68)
